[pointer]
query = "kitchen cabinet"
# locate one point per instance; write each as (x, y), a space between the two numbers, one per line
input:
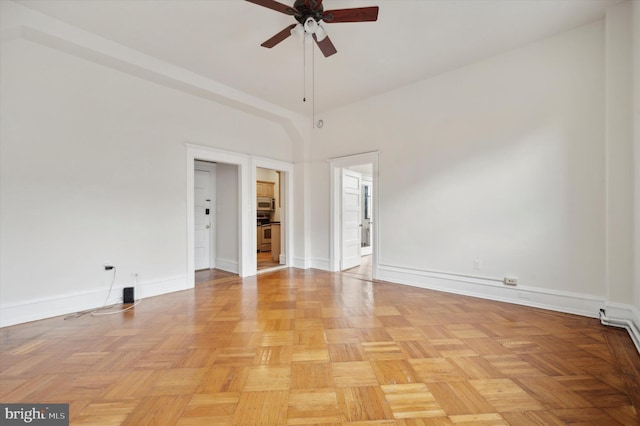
(258, 238)
(275, 241)
(265, 189)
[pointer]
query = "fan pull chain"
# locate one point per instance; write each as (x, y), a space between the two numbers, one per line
(313, 84)
(304, 69)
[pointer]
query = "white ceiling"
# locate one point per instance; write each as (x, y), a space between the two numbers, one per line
(412, 40)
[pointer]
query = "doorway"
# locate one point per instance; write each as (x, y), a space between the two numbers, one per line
(240, 240)
(216, 221)
(354, 205)
(269, 225)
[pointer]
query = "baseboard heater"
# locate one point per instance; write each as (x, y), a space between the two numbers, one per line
(622, 323)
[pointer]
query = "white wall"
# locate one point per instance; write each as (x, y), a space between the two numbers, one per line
(93, 171)
(619, 153)
(227, 218)
(266, 175)
(500, 161)
(301, 209)
(318, 214)
(636, 147)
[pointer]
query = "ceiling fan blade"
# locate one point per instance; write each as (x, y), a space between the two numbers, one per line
(359, 14)
(274, 5)
(282, 35)
(326, 46)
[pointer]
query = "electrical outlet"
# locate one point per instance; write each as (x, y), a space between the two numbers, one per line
(510, 281)
(477, 264)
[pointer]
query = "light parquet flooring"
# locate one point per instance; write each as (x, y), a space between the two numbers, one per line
(363, 270)
(265, 261)
(296, 347)
(213, 276)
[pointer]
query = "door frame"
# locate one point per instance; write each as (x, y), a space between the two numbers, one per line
(335, 205)
(286, 213)
(195, 152)
(247, 262)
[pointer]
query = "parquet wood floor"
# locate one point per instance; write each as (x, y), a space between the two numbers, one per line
(296, 347)
(211, 276)
(265, 261)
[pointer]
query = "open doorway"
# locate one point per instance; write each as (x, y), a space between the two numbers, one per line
(269, 225)
(365, 176)
(231, 200)
(357, 219)
(216, 221)
(354, 208)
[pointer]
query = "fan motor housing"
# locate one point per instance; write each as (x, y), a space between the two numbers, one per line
(308, 9)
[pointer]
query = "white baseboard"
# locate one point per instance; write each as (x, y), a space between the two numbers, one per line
(163, 286)
(227, 265)
(311, 262)
(47, 307)
(623, 311)
(301, 263)
(568, 302)
(317, 263)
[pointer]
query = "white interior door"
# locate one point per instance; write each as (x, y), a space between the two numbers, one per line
(367, 217)
(350, 219)
(202, 212)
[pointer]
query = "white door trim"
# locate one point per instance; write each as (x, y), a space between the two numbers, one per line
(195, 152)
(335, 181)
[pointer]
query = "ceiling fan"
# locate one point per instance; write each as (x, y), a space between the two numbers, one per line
(310, 15)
